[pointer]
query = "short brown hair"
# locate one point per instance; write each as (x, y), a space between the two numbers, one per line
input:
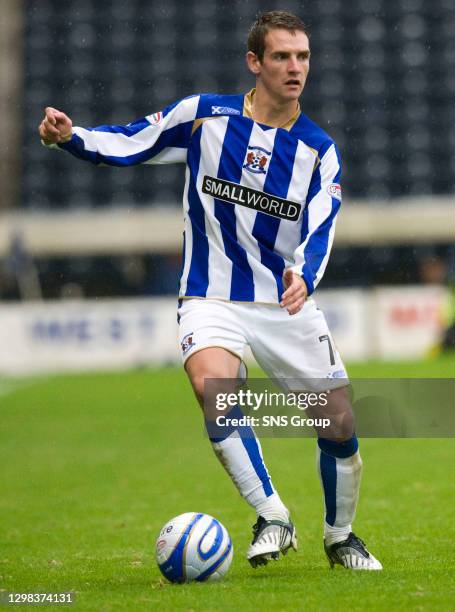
(268, 21)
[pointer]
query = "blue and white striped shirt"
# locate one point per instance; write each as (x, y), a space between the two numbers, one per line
(257, 199)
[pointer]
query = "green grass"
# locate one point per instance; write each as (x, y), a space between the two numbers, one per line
(93, 465)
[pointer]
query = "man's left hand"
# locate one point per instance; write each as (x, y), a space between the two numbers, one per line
(296, 292)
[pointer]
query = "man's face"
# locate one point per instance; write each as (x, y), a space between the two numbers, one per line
(285, 65)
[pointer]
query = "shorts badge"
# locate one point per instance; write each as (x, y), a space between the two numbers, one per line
(187, 343)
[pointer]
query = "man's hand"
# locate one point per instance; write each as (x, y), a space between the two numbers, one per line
(296, 292)
(56, 127)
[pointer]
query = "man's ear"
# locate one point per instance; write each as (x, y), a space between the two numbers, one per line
(253, 63)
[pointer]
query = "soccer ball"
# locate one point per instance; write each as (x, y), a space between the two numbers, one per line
(193, 546)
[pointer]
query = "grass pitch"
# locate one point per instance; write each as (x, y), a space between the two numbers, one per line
(93, 465)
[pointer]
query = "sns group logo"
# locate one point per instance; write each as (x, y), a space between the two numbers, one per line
(256, 160)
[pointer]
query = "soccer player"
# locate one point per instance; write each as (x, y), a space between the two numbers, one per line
(261, 196)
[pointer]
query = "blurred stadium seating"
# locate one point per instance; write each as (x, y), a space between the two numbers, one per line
(382, 81)
(382, 84)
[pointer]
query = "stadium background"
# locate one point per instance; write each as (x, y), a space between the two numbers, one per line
(94, 463)
(382, 83)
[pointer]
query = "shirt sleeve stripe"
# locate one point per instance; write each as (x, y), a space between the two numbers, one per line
(318, 223)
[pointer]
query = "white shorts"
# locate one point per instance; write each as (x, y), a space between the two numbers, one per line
(297, 347)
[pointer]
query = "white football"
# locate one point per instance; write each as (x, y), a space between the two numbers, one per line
(193, 546)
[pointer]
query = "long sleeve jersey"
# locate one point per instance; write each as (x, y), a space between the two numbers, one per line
(257, 199)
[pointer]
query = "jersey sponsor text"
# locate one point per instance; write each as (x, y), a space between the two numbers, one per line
(251, 198)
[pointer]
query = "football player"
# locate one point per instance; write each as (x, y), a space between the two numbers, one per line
(260, 201)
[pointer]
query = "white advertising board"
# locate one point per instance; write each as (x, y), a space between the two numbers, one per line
(87, 335)
(387, 323)
(408, 321)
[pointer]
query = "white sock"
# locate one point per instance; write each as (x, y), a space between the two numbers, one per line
(272, 508)
(243, 461)
(335, 534)
(341, 492)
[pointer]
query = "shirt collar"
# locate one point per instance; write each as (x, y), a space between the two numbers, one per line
(248, 110)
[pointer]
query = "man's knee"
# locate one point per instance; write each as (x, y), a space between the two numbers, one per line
(212, 371)
(338, 410)
(208, 385)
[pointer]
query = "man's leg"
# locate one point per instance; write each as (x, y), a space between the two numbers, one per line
(299, 350)
(340, 467)
(239, 451)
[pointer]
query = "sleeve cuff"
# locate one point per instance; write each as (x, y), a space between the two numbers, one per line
(49, 146)
(309, 284)
(63, 145)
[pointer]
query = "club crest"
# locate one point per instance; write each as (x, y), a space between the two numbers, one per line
(187, 343)
(256, 160)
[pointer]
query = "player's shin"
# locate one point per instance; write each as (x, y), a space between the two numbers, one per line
(240, 453)
(340, 467)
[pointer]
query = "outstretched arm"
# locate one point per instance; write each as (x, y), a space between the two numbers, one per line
(160, 138)
(56, 127)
